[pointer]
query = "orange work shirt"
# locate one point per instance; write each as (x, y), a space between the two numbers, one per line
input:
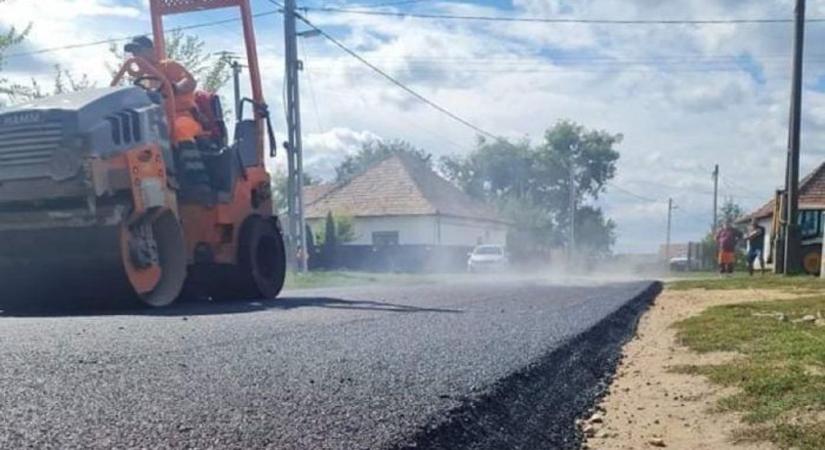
(175, 73)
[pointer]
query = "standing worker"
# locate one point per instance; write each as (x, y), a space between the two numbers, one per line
(726, 240)
(756, 243)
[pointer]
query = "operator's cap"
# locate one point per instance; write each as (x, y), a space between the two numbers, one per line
(139, 43)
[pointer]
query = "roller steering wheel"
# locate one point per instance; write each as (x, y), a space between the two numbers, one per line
(139, 82)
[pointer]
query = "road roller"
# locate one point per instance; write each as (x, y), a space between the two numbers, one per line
(95, 202)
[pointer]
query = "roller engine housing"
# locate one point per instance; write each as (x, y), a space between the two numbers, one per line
(83, 176)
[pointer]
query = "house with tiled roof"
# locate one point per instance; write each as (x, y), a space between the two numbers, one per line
(401, 203)
(811, 208)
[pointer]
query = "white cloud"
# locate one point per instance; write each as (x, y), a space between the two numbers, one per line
(324, 151)
(65, 22)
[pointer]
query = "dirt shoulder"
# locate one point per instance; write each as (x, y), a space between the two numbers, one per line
(650, 406)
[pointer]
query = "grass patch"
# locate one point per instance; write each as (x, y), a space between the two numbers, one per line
(322, 279)
(780, 375)
(745, 281)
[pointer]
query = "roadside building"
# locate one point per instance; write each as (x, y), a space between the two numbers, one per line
(405, 217)
(811, 207)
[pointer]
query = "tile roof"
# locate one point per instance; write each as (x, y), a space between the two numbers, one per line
(396, 186)
(811, 195)
(316, 191)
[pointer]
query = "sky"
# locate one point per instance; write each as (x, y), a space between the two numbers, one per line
(685, 97)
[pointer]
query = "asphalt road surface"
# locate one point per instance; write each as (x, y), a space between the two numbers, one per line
(376, 367)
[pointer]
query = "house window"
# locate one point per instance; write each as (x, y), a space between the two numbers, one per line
(384, 238)
(810, 223)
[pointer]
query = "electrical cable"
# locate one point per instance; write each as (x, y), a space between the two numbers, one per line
(126, 38)
(394, 81)
(562, 20)
(632, 194)
(395, 3)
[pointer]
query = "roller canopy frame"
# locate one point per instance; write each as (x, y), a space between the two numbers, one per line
(161, 8)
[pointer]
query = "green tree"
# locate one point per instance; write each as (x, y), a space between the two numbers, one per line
(730, 212)
(595, 233)
(63, 82)
(8, 39)
(375, 151)
(531, 185)
(279, 186)
(329, 231)
(496, 170)
(343, 227)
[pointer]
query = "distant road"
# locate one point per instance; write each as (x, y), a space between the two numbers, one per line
(375, 367)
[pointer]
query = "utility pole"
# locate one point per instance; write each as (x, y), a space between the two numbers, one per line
(667, 239)
(571, 239)
(571, 187)
(295, 185)
(715, 198)
(793, 263)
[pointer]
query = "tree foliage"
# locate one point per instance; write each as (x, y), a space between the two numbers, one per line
(63, 82)
(376, 151)
(329, 232)
(279, 188)
(340, 226)
(8, 39)
(531, 184)
(729, 212)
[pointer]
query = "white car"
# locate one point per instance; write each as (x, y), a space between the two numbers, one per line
(487, 258)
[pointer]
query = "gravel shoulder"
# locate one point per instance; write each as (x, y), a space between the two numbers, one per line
(648, 405)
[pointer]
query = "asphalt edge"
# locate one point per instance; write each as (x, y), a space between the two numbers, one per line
(538, 407)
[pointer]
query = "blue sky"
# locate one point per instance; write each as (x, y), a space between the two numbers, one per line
(685, 97)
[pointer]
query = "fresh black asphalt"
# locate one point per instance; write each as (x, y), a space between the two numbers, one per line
(438, 366)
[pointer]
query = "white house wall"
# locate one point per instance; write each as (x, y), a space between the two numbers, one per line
(468, 232)
(766, 247)
(424, 230)
(411, 229)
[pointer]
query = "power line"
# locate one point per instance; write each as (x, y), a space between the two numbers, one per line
(735, 186)
(396, 82)
(562, 20)
(633, 194)
(126, 38)
(690, 190)
(367, 5)
(438, 70)
(395, 3)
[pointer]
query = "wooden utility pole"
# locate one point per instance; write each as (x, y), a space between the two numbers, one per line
(571, 239)
(295, 184)
(669, 220)
(793, 253)
(715, 223)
